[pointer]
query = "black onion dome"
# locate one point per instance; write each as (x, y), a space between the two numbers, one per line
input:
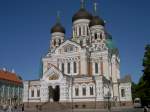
(58, 28)
(96, 20)
(82, 14)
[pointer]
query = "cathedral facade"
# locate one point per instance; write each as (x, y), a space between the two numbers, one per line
(85, 68)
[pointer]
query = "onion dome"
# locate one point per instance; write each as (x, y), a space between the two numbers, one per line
(81, 14)
(96, 20)
(58, 28)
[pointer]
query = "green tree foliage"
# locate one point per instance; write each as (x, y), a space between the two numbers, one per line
(146, 65)
(142, 89)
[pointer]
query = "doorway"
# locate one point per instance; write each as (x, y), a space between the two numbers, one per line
(54, 93)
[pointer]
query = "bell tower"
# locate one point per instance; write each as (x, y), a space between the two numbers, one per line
(97, 25)
(57, 33)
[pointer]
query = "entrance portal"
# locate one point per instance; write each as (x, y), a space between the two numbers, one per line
(54, 93)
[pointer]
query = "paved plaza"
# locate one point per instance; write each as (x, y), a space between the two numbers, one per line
(86, 110)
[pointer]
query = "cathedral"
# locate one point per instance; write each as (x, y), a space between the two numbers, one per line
(82, 70)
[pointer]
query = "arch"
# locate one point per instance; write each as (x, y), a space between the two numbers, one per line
(56, 95)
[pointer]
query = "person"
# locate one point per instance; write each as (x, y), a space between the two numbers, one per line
(145, 109)
(9, 108)
(15, 108)
(22, 108)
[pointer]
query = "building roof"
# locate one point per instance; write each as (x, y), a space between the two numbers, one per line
(12, 77)
(82, 14)
(96, 20)
(126, 79)
(58, 28)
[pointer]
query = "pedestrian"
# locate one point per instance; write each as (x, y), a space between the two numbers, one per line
(10, 108)
(145, 109)
(15, 108)
(22, 107)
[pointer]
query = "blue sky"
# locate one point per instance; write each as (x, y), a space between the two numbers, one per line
(25, 31)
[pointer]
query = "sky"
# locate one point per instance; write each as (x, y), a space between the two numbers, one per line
(25, 31)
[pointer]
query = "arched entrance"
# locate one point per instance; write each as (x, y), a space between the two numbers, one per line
(54, 93)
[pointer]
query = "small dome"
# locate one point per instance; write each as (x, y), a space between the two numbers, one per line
(81, 14)
(58, 28)
(96, 20)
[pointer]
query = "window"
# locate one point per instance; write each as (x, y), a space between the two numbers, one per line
(38, 93)
(79, 31)
(71, 48)
(32, 93)
(91, 90)
(75, 67)
(95, 36)
(84, 30)
(54, 42)
(68, 68)
(81, 42)
(65, 49)
(87, 31)
(77, 91)
(59, 41)
(62, 67)
(122, 92)
(84, 91)
(101, 36)
(96, 68)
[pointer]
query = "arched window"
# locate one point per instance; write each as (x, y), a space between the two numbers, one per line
(59, 41)
(68, 68)
(77, 91)
(96, 67)
(91, 90)
(95, 36)
(71, 48)
(122, 92)
(101, 36)
(79, 31)
(32, 93)
(62, 67)
(75, 67)
(84, 30)
(81, 42)
(38, 93)
(54, 42)
(84, 91)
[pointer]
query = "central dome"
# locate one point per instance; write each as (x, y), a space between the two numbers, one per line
(58, 28)
(81, 14)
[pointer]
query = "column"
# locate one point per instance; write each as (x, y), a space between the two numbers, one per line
(84, 63)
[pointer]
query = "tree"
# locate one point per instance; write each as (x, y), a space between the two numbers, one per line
(146, 73)
(142, 89)
(146, 65)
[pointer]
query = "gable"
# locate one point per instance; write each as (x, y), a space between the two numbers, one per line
(68, 47)
(52, 75)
